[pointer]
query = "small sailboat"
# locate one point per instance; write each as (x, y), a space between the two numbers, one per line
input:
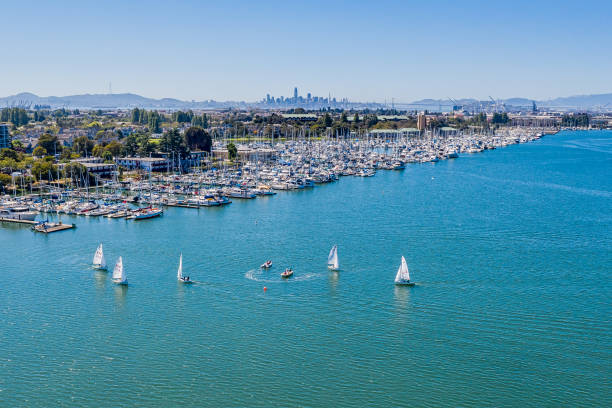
(98, 260)
(266, 264)
(287, 274)
(119, 274)
(179, 274)
(332, 259)
(403, 276)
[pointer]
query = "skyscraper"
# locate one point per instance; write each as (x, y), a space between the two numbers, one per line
(5, 137)
(295, 94)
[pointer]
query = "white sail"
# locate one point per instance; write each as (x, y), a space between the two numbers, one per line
(98, 260)
(402, 273)
(332, 259)
(118, 272)
(179, 274)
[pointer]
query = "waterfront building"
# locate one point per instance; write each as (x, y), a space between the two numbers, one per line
(421, 121)
(247, 154)
(144, 163)
(5, 136)
(95, 166)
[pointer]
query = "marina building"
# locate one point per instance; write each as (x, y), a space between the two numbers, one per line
(144, 163)
(95, 166)
(247, 154)
(421, 121)
(5, 136)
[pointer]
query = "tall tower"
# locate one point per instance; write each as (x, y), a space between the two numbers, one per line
(295, 94)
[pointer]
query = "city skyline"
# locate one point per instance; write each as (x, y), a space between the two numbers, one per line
(233, 51)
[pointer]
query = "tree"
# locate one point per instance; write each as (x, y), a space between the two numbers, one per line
(232, 151)
(131, 144)
(39, 151)
(173, 142)
(9, 154)
(115, 148)
(18, 146)
(97, 150)
(83, 145)
(327, 120)
(50, 143)
(43, 169)
(75, 171)
(197, 138)
(107, 156)
(66, 154)
(154, 122)
(145, 146)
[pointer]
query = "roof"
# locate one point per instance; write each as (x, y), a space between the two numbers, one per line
(299, 116)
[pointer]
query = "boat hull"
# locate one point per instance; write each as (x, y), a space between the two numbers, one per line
(404, 283)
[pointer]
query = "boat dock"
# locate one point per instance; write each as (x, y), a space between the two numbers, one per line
(18, 221)
(47, 228)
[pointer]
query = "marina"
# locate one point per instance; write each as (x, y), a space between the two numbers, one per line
(298, 164)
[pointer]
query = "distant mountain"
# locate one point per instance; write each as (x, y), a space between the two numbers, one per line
(577, 101)
(102, 101)
(580, 101)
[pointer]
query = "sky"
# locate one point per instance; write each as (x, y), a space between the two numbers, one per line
(363, 50)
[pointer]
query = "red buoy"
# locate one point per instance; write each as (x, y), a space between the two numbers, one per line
(265, 289)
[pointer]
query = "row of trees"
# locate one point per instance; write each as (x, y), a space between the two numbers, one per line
(17, 116)
(576, 120)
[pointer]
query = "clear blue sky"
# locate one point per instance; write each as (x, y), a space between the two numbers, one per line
(364, 50)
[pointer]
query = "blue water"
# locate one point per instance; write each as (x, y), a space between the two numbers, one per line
(511, 250)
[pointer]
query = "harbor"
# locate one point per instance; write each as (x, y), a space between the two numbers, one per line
(289, 165)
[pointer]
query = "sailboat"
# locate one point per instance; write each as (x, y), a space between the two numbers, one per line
(332, 259)
(179, 274)
(119, 274)
(403, 276)
(98, 260)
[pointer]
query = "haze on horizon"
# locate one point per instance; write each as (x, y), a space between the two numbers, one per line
(366, 51)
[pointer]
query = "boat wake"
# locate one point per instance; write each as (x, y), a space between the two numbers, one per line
(258, 275)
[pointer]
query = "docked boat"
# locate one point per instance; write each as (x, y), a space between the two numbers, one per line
(179, 274)
(403, 275)
(266, 265)
(146, 213)
(119, 274)
(287, 274)
(17, 213)
(99, 262)
(332, 259)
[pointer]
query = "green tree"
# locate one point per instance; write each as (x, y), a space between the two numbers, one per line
(83, 145)
(9, 154)
(107, 156)
(145, 146)
(97, 150)
(173, 142)
(39, 151)
(131, 144)
(75, 171)
(197, 138)
(115, 148)
(232, 151)
(327, 120)
(44, 169)
(50, 143)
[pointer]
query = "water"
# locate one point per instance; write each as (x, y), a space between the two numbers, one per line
(511, 250)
